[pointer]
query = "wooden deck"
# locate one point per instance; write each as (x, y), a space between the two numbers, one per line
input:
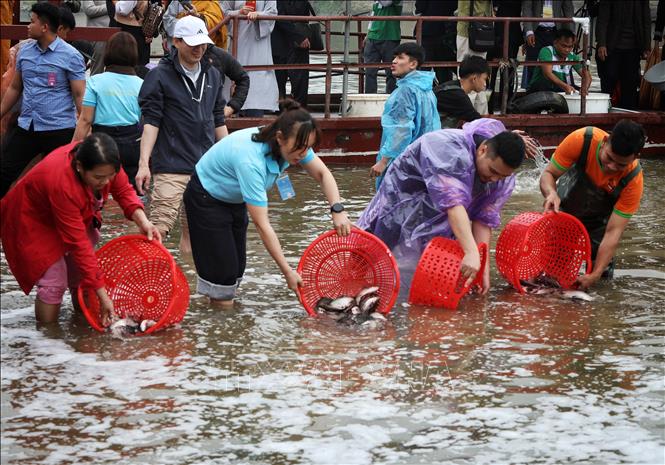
(355, 140)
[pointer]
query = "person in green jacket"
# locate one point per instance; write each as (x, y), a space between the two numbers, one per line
(382, 38)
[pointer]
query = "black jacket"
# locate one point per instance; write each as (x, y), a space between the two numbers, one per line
(186, 127)
(229, 66)
(611, 17)
(286, 34)
(452, 101)
(436, 8)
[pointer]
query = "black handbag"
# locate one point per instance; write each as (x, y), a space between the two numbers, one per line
(312, 31)
(315, 38)
(481, 35)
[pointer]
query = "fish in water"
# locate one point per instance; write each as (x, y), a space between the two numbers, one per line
(338, 305)
(146, 325)
(546, 285)
(366, 293)
(576, 294)
(128, 326)
(353, 311)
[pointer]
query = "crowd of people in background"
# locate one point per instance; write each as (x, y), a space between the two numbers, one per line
(622, 37)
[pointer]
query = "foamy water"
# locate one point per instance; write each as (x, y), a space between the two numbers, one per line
(505, 379)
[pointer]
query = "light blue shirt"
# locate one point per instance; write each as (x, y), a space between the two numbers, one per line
(236, 169)
(115, 98)
(47, 96)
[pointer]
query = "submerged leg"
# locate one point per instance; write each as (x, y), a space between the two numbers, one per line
(46, 313)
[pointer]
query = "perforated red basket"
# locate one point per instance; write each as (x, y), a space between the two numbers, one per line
(334, 266)
(143, 281)
(437, 281)
(532, 243)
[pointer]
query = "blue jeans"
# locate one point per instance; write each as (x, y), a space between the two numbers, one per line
(378, 51)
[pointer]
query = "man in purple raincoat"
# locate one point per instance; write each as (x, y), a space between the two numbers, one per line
(450, 183)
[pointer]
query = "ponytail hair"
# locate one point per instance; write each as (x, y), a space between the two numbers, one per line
(97, 149)
(293, 120)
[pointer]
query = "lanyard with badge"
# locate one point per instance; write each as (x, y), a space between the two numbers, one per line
(285, 187)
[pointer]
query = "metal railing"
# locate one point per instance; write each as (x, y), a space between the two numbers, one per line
(345, 65)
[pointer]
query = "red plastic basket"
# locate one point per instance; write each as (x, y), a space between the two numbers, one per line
(532, 243)
(142, 280)
(334, 266)
(437, 281)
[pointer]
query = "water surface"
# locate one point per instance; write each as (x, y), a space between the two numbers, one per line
(505, 379)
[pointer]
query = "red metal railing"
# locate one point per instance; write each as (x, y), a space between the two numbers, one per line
(329, 66)
(16, 32)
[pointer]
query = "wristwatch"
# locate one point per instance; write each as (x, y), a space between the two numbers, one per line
(336, 208)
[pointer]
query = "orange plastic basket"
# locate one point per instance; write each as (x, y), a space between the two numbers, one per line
(437, 281)
(142, 280)
(531, 244)
(333, 266)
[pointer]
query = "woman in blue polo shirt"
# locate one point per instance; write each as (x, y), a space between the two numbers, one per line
(231, 180)
(111, 105)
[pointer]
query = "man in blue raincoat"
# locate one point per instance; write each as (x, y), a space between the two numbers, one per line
(450, 183)
(410, 111)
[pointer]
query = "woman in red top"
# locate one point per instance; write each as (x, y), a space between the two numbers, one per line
(50, 222)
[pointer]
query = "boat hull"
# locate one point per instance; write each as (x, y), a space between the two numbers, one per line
(355, 140)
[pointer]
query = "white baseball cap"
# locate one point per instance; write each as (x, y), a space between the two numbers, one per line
(192, 30)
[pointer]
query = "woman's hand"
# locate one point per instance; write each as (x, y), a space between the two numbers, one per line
(105, 307)
(342, 224)
(151, 231)
(145, 226)
(253, 16)
(293, 280)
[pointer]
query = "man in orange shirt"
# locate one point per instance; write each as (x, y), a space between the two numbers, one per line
(601, 185)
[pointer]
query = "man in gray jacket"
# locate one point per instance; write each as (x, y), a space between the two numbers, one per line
(183, 111)
(539, 35)
(96, 16)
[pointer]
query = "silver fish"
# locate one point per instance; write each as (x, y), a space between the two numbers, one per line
(576, 294)
(124, 327)
(366, 291)
(341, 304)
(322, 304)
(374, 322)
(369, 304)
(543, 289)
(372, 325)
(146, 325)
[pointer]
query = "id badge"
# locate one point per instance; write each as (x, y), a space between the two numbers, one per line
(51, 79)
(285, 187)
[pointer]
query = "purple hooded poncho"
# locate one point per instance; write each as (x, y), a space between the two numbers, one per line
(435, 173)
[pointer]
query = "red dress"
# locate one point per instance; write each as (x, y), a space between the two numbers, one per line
(48, 213)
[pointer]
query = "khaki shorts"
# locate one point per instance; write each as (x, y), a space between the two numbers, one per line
(166, 201)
